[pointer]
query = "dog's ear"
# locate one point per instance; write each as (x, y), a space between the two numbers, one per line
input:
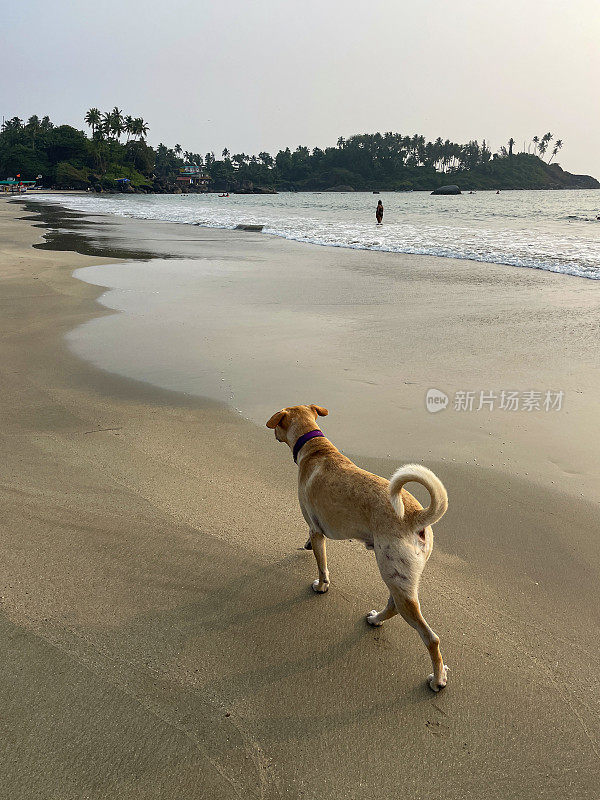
(322, 412)
(276, 419)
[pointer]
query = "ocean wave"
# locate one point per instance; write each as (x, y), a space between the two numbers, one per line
(485, 235)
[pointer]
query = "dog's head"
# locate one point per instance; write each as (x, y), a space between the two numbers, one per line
(290, 423)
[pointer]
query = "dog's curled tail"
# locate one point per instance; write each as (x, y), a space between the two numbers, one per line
(439, 497)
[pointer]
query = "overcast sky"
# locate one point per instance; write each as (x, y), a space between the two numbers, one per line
(256, 75)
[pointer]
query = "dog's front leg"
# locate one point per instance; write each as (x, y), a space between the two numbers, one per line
(318, 546)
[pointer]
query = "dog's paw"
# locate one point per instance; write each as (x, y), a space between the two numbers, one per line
(320, 586)
(437, 685)
(371, 619)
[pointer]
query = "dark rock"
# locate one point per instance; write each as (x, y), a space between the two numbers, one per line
(452, 189)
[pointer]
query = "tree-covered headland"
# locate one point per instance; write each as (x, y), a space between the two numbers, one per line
(115, 148)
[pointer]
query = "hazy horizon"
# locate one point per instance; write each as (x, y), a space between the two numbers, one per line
(253, 77)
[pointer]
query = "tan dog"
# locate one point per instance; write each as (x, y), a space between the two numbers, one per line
(341, 501)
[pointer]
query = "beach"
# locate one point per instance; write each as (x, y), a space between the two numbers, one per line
(161, 638)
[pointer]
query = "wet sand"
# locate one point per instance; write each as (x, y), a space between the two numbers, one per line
(160, 635)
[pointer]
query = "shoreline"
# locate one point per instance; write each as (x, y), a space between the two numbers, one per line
(219, 192)
(478, 242)
(482, 289)
(148, 608)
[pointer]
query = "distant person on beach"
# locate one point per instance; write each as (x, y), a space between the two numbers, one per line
(379, 212)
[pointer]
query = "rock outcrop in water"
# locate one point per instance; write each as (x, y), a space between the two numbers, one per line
(451, 189)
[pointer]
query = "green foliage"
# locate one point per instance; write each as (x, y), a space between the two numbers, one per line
(67, 176)
(66, 144)
(66, 157)
(140, 156)
(116, 171)
(522, 171)
(21, 158)
(392, 162)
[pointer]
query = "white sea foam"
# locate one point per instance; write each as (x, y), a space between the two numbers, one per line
(548, 230)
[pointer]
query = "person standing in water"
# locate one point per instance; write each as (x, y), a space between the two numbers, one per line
(379, 212)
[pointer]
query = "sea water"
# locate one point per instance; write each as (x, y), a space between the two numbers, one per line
(258, 324)
(556, 231)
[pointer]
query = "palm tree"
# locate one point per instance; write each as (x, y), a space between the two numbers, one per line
(511, 144)
(544, 144)
(140, 128)
(117, 122)
(33, 128)
(13, 124)
(106, 124)
(128, 125)
(178, 150)
(557, 146)
(93, 118)
(536, 141)
(225, 153)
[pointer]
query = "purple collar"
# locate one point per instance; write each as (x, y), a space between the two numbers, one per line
(306, 437)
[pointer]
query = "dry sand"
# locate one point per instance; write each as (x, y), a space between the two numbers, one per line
(160, 638)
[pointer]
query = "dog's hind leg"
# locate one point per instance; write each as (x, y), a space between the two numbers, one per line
(411, 611)
(318, 546)
(378, 618)
(401, 569)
